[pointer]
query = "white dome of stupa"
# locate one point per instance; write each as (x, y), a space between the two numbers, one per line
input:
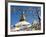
(22, 24)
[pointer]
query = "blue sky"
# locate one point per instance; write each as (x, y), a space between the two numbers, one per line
(30, 11)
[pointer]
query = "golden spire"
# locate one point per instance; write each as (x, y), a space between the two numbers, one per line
(22, 18)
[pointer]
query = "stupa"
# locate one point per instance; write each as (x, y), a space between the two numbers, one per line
(23, 24)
